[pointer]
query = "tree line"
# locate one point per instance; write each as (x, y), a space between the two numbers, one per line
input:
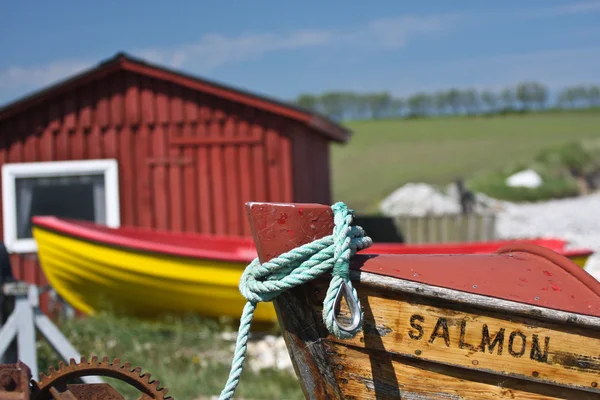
(526, 96)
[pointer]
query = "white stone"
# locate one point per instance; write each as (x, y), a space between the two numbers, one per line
(527, 178)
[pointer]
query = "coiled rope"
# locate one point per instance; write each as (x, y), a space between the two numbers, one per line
(264, 282)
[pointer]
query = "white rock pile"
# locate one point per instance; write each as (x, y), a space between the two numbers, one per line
(421, 199)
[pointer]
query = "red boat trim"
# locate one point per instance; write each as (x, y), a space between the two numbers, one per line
(240, 250)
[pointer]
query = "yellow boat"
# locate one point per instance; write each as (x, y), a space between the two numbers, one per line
(146, 273)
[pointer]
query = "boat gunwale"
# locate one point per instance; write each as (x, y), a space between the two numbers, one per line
(474, 300)
(89, 234)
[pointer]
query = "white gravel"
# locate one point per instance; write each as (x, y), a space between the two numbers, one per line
(576, 220)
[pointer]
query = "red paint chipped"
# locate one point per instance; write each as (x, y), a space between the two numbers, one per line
(282, 218)
(523, 279)
(301, 211)
(547, 273)
(291, 232)
(556, 288)
(545, 288)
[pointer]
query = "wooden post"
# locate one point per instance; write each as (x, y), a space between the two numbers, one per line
(524, 322)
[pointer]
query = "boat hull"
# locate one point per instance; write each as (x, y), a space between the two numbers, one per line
(93, 277)
(424, 347)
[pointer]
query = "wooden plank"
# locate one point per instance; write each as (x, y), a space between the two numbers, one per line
(175, 191)
(218, 187)
(94, 142)
(302, 180)
(286, 168)
(162, 102)
(29, 140)
(273, 162)
(141, 150)
(127, 176)
(77, 143)
(117, 108)
(86, 106)
(489, 342)
(102, 117)
(235, 207)
(190, 172)
(317, 162)
(245, 171)
(204, 183)
(160, 187)
(258, 166)
(132, 99)
(369, 375)
(147, 103)
(70, 111)
(190, 184)
(217, 170)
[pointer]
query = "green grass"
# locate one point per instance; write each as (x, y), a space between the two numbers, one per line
(186, 355)
(383, 155)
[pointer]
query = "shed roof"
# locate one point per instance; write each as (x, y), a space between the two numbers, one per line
(125, 62)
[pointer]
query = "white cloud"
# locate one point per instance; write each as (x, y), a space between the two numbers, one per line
(214, 50)
(40, 75)
(583, 7)
(396, 32)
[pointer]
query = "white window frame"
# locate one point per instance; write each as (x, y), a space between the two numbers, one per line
(12, 171)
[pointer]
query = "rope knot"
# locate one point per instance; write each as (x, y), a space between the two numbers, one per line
(330, 254)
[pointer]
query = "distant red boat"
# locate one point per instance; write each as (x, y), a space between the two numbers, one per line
(579, 256)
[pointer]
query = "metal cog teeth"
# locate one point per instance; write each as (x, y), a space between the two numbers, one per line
(56, 377)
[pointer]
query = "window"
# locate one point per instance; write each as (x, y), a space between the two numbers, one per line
(84, 190)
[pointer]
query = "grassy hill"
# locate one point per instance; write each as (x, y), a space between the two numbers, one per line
(385, 154)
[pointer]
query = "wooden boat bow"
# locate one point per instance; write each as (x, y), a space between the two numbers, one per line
(521, 323)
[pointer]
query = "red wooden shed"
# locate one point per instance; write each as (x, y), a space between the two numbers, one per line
(131, 143)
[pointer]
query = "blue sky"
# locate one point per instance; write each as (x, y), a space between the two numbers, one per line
(283, 48)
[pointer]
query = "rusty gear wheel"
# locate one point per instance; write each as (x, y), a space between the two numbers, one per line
(54, 384)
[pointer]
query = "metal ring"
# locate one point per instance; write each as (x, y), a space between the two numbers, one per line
(353, 305)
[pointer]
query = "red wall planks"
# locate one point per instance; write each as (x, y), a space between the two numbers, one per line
(243, 154)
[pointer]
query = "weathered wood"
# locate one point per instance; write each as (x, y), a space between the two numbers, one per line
(303, 339)
(305, 345)
(383, 376)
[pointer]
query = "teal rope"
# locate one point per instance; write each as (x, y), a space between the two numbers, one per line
(264, 282)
